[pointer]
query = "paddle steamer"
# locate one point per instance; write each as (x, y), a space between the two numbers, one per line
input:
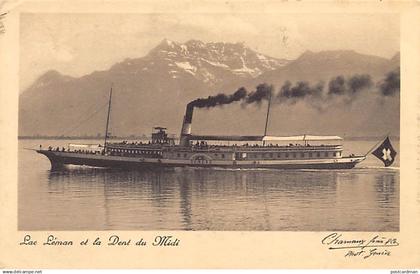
(293, 152)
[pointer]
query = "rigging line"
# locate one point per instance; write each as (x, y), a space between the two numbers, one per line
(89, 107)
(84, 121)
(37, 121)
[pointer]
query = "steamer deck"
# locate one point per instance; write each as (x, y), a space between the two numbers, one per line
(293, 152)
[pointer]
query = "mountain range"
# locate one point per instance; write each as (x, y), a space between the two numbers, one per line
(154, 90)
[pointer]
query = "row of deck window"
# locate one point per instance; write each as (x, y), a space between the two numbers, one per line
(239, 155)
(136, 151)
(185, 155)
(293, 155)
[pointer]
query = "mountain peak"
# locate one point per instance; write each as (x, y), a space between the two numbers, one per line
(51, 75)
(210, 62)
(195, 43)
(166, 43)
(332, 56)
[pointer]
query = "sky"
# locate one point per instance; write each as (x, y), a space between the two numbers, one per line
(77, 44)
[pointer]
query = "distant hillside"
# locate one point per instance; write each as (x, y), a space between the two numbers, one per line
(154, 90)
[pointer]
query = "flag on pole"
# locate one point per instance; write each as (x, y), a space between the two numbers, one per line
(385, 152)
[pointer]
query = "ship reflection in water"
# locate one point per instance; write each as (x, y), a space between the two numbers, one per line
(362, 199)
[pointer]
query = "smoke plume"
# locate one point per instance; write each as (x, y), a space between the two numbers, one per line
(337, 86)
(299, 91)
(219, 99)
(319, 95)
(262, 92)
(391, 84)
(351, 86)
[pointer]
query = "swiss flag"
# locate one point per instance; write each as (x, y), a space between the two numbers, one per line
(385, 152)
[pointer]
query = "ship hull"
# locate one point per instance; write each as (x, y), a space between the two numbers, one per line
(60, 159)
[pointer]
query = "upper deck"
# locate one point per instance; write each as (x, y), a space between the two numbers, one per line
(220, 147)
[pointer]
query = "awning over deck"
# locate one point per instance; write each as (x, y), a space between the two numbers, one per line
(302, 138)
(264, 138)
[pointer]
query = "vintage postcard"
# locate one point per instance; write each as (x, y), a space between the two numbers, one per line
(211, 134)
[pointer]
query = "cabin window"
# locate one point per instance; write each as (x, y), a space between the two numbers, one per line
(302, 155)
(185, 155)
(223, 156)
(215, 154)
(271, 155)
(326, 154)
(279, 155)
(318, 154)
(286, 155)
(310, 154)
(178, 155)
(294, 155)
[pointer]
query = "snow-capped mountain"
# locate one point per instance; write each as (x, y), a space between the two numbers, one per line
(210, 63)
(154, 90)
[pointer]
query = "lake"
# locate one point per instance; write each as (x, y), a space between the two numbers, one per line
(365, 198)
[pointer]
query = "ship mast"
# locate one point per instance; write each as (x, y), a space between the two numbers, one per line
(268, 115)
(107, 119)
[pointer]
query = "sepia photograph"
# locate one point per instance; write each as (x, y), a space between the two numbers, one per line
(209, 122)
(211, 134)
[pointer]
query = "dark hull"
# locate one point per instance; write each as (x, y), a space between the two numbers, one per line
(59, 160)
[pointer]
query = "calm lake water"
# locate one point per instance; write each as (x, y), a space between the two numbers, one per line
(365, 198)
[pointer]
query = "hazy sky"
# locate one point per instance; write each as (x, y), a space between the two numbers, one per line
(77, 44)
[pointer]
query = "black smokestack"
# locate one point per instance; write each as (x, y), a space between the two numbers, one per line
(391, 84)
(211, 101)
(189, 113)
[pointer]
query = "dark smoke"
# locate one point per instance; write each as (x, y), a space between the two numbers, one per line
(351, 86)
(262, 92)
(337, 86)
(299, 91)
(219, 99)
(391, 84)
(359, 82)
(212, 101)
